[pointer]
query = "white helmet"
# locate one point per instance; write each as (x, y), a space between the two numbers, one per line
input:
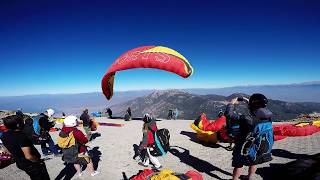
(50, 112)
(70, 121)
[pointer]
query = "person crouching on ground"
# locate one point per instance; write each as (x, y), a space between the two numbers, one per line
(86, 120)
(25, 154)
(72, 141)
(149, 127)
(247, 127)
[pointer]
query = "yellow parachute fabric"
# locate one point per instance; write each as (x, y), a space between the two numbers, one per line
(205, 136)
(165, 174)
(316, 123)
(302, 124)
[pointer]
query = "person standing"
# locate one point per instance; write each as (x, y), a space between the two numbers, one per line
(45, 126)
(109, 111)
(129, 112)
(25, 154)
(72, 141)
(257, 123)
(86, 122)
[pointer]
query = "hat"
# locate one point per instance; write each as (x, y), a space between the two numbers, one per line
(50, 112)
(70, 121)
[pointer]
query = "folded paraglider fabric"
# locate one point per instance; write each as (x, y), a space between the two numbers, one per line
(111, 124)
(166, 174)
(205, 136)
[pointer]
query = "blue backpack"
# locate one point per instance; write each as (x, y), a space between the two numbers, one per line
(259, 142)
(36, 126)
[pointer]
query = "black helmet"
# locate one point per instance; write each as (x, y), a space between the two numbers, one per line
(257, 101)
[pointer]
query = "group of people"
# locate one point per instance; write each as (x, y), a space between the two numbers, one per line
(22, 134)
(72, 141)
(173, 114)
(127, 115)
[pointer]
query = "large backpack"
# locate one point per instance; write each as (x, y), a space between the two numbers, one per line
(36, 126)
(161, 142)
(259, 142)
(34, 132)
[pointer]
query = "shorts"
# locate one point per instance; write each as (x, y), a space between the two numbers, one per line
(82, 159)
(237, 158)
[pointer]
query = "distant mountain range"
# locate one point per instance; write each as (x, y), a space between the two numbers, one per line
(190, 106)
(303, 92)
(68, 103)
(74, 103)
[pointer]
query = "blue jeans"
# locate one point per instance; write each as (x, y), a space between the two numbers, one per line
(52, 148)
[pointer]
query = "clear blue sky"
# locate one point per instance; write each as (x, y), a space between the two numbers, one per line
(67, 46)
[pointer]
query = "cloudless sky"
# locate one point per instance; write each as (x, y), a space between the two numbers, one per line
(67, 46)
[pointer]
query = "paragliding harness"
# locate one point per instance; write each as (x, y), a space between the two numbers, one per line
(161, 142)
(259, 142)
(69, 146)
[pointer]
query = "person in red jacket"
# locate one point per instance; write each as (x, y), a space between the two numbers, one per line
(76, 154)
(149, 127)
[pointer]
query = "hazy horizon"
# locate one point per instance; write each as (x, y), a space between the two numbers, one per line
(133, 90)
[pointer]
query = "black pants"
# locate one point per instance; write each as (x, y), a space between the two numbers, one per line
(36, 171)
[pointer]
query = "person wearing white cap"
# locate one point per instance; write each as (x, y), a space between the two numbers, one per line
(75, 152)
(45, 126)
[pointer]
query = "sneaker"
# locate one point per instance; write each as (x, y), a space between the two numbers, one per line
(80, 174)
(158, 167)
(95, 173)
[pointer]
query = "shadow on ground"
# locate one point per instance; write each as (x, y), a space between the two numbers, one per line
(96, 156)
(94, 136)
(196, 163)
(303, 167)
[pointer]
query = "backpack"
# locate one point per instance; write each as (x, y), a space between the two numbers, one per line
(258, 143)
(161, 142)
(66, 142)
(36, 126)
(34, 132)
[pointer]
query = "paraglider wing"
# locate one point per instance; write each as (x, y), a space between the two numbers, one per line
(157, 57)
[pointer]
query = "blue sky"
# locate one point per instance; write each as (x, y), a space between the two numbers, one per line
(66, 47)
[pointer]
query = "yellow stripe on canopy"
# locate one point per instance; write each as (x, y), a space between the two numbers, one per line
(162, 49)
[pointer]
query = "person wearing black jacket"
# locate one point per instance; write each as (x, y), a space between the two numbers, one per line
(257, 111)
(45, 126)
(25, 154)
(87, 122)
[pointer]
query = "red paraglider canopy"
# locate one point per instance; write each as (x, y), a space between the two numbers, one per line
(157, 57)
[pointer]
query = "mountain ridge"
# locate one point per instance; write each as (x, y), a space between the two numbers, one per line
(190, 105)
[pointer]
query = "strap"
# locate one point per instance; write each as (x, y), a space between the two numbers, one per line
(158, 144)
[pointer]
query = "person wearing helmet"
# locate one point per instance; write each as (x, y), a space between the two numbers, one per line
(26, 156)
(75, 153)
(45, 126)
(149, 127)
(257, 113)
